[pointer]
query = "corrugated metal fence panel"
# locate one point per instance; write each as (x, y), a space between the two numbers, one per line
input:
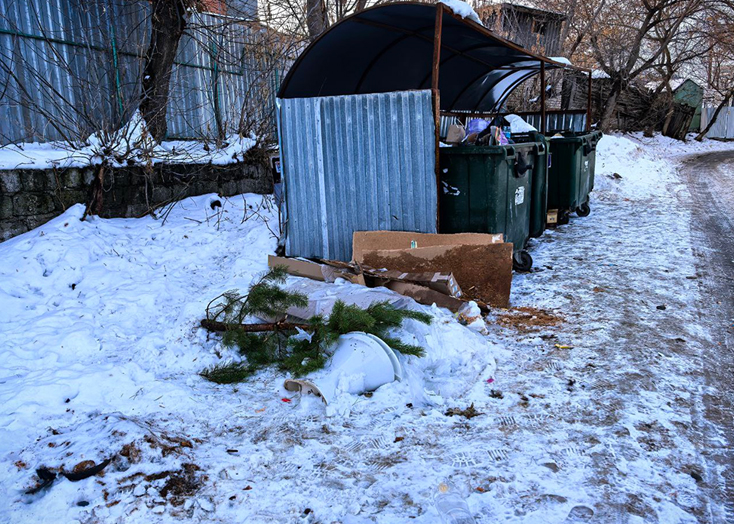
(724, 125)
(357, 163)
(446, 122)
(559, 121)
(60, 76)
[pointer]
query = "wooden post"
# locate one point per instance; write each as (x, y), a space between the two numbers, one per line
(588, 105)
(436, 103)
(542, 98)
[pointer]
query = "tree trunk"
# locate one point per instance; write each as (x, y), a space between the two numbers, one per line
(610, 106)
(711, 123)
(168, 24)
(214, 325)
(316, 18)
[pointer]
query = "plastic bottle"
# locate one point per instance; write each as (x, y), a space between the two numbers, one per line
(451, 505)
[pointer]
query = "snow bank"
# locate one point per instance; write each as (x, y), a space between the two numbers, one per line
(100, 347)
(463, 10)
(638, 167)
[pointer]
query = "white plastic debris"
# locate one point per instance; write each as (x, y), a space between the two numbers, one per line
(360, 362)
(518, 125)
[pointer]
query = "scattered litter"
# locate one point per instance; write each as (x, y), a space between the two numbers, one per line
(284, 399)
(469, 412)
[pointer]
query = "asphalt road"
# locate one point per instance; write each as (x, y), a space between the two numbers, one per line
(710, 180)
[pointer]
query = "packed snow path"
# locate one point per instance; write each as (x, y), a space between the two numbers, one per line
(602, 407)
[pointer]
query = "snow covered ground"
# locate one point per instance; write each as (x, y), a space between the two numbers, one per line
(129, 144)
(589, 389)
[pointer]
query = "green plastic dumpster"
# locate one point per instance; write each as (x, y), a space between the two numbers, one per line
(489, 189)
(539, 198)
(571, 172)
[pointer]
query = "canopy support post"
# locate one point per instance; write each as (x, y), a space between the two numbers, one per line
(436, 102)
(588, 105)
(542, 98)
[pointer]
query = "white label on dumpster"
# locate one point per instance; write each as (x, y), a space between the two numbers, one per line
(519, 195)
(586, 164)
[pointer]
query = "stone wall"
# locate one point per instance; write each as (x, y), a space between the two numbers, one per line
(31, 197)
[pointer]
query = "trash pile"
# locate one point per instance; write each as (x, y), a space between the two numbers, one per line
(447, 270)
(479, 131)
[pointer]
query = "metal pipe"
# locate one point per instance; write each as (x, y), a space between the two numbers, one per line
(588, 105)
(542, 98)
(437, 102)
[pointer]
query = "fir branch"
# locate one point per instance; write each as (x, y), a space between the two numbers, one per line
(299, 356)
(231, 373)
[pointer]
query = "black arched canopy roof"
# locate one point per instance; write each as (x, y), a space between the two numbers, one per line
(390, 48)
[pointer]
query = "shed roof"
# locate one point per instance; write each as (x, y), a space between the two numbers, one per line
(389, 47)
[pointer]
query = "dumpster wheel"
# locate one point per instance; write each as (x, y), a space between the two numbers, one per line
(583, 210)
(563, 217)
(522, 261)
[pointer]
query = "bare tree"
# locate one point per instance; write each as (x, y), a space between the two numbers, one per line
(168, 22)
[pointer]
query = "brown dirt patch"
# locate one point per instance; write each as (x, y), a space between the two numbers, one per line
(182, 484)
(528, 319)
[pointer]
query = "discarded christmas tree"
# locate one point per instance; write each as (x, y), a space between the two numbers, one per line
(300, 354)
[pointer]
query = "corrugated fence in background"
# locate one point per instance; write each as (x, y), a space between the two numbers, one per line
(357, 163)
(554, 122)
(559, 121)
(724, 125)
(70, 67)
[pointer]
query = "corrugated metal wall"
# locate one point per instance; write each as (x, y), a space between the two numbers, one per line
(724, 125)
(71, 67)
(357, 163)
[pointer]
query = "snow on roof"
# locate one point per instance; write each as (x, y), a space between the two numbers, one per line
(462, 9)
(561, 59)
(598, 73)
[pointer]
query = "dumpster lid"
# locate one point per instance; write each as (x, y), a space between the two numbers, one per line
(389, 47)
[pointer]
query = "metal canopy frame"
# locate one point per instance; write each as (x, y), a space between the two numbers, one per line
(387, 48)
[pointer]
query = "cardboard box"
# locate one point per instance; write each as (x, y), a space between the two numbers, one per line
(442, 282)
(386, 240)
(312, 270)
(483, 270)
(426, 296)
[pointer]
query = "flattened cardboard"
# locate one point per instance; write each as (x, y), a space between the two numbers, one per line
(314, 271)
(426, 296)
(442, 282)
(483, 271)
(387, 240)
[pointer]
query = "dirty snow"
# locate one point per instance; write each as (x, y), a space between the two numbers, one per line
(129, 144)
(591, 411)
